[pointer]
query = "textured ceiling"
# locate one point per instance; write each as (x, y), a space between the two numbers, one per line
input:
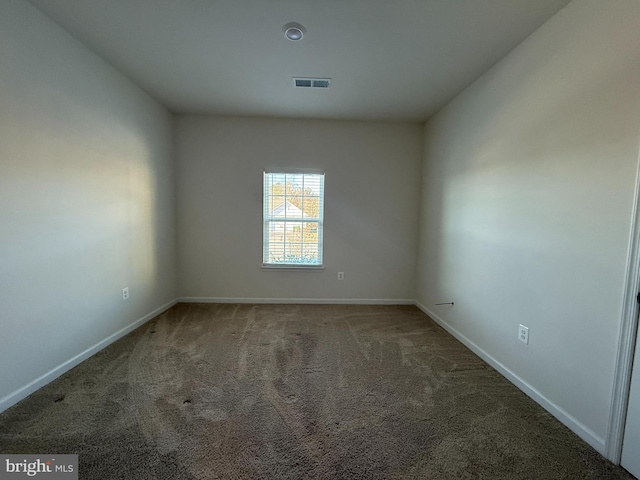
(389, 59)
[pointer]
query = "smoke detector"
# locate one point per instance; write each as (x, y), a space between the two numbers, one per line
(294, 31)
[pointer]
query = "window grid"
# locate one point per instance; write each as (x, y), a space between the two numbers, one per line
(293, 219)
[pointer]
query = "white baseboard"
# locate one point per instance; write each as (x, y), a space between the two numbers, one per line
(323, 301)
(54, 373)
(574, 425)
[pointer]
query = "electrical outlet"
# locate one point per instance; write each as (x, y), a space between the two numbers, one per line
(523, 334)
(340, 275)
(125, 293)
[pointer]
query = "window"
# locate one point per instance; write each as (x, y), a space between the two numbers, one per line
(293, 209)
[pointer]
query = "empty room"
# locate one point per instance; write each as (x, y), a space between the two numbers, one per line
(295, 239)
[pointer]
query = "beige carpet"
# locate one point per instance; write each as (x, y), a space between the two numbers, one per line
(295, 392)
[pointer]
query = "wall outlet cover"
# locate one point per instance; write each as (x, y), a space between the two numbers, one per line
(523, 334)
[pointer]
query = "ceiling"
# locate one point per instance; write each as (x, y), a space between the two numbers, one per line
(388, 59)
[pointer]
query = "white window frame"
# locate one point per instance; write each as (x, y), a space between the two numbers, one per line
(268, 220)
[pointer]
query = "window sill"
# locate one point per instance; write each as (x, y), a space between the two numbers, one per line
(292, 267)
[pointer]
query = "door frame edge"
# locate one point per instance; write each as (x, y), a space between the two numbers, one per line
(626, 336)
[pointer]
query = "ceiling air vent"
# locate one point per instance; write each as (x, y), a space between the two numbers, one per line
(311, 82)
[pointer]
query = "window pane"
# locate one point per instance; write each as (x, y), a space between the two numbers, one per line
(292, 233)
(292, 198)
(310, 232)
(275, 203)
(310, 253)
(276, 253)
(276, 232)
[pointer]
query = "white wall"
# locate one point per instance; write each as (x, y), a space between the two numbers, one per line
(86, 200)
(372, 195)
(528, 186)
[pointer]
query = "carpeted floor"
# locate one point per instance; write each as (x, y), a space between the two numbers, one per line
(295, 392)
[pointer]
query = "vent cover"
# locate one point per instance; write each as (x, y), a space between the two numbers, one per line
(311, 82)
